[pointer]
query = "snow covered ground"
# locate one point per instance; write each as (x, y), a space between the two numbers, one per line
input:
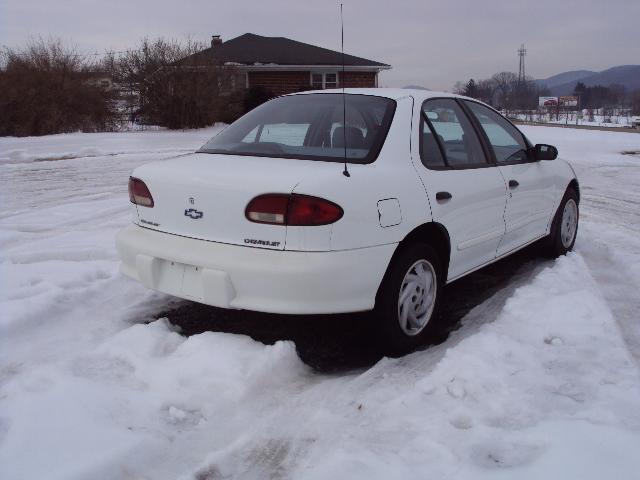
(542, 380)
(598, 120)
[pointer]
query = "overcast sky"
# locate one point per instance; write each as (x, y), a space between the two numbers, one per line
(429, 43)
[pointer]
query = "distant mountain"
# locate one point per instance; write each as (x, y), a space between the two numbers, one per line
(626, 75)
(565, 77)
(416, 87)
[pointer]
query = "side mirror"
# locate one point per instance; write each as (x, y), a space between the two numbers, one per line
(545, 152)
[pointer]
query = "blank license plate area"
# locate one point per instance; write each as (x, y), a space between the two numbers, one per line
(180, 278)
(169, 276)
(192, 282)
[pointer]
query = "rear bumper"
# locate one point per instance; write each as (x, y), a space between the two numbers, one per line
(239, 277)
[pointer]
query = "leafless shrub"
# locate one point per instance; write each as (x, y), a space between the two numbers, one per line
(176, 84)
(47, 88)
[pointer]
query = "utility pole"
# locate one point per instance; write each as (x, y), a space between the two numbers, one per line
(521, 86)
(521, 73)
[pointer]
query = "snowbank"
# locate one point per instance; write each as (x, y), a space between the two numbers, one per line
(541, 384)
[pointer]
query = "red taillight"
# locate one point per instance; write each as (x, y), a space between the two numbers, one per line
(139, 193)
(304, 210)
(271, 208)
(292, 209)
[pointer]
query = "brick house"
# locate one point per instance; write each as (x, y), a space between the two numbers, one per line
(281, 65)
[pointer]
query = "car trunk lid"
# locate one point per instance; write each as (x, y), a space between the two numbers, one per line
(204, 195)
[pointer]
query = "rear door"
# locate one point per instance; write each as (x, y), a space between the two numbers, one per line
(531, 190)
(466, 192)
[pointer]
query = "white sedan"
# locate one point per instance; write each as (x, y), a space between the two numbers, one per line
(324, 202)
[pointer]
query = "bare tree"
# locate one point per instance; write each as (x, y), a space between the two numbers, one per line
(617, 95)
(460, 88)
(504, 83)
(176, 84)
(46, 88)
(469, 89)
(483, 90)
(486, 89)
(635, 102)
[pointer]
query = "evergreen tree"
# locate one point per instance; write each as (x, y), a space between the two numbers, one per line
(470, 89)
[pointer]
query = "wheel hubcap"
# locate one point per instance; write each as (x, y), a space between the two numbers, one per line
(417, 297)
(569, 223)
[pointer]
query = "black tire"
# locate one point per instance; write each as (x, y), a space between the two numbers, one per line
(393, 338)
(553, 245)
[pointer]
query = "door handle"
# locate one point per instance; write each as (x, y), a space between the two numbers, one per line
(513, 183)
(442, 196)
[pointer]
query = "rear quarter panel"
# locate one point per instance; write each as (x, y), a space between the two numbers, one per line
(391, 175)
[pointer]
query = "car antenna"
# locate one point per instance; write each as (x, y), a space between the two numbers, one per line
(345, 172)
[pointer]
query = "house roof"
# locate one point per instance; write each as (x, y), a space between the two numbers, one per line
(250, 50)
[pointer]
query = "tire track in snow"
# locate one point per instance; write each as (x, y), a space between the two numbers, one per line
(608, 258)
(608, 240)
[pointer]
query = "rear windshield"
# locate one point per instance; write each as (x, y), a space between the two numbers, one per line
(310, 127)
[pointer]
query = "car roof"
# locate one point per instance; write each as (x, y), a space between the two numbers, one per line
(393, 93)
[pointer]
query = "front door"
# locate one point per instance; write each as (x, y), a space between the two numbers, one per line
(467, 193)
(531, 193)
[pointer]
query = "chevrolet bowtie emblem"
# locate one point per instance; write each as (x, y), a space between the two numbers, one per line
(193, 213)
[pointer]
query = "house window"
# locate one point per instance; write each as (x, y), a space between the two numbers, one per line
(330, 80)
(320, 81)
(317, 81)
(238, 80)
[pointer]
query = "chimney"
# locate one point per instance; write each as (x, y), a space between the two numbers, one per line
(215, 40)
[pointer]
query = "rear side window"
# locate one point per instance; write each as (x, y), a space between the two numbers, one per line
(429, 149)
(507, 142)
(310, 127)
(445, 123)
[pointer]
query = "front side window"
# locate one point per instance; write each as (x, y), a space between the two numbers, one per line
(447, 127)
(507, 142)
(310, 127)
